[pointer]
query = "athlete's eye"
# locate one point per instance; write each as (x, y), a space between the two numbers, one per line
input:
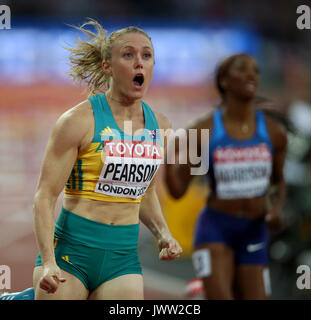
(127, 55)
(147, 55)
(242, 68)
(257, 70)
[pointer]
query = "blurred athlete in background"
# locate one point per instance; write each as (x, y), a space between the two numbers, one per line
(246, 157)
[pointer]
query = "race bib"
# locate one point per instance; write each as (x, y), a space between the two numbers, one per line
(129, 167)
(242, 172)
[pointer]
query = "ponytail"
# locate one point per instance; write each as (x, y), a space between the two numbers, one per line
(87, 56)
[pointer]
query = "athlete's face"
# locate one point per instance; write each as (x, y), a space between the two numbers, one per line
(242, 78)
(131, 66)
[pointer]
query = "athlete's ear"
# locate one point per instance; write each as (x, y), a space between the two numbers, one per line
(223, 84)
(107, 68)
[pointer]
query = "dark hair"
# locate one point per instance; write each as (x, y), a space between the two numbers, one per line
(223, 69)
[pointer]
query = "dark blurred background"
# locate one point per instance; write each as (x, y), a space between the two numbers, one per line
(190, 38)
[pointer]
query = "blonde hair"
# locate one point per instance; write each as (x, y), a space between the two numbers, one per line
(87, 56)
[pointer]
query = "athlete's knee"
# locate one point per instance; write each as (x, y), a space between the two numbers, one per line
(208, 265)
(216, 288)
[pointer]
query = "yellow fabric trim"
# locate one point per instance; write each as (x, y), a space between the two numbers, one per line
(99, 197)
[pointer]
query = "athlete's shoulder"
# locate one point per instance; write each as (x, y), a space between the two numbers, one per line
(74, 123)
(163, 121)
(204, 122)
(79, 114)
(82, 109)
(277, 131)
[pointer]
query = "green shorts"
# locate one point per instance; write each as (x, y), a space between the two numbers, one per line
(94, 252)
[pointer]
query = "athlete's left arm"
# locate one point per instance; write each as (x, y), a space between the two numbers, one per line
(278, 187)
(151, 216)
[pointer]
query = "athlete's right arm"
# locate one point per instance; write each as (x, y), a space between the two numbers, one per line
(67, 137)
(178, 176)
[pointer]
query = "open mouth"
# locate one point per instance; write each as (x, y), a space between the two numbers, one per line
(251, 85)
(138, 80)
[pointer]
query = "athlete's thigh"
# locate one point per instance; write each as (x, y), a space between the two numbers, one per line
(125, 287)
(251, 282)
(216, 270)
(71, 289)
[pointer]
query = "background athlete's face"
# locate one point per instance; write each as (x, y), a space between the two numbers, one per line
(132, 65)
(242, 78)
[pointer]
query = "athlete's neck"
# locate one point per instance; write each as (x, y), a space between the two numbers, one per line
(240, 111)
(124, 107)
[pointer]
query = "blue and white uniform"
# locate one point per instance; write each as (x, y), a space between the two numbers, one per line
(239, 169)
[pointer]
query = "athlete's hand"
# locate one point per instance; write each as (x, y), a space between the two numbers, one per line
(169, 248)
(51, 277)
(274, 221)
